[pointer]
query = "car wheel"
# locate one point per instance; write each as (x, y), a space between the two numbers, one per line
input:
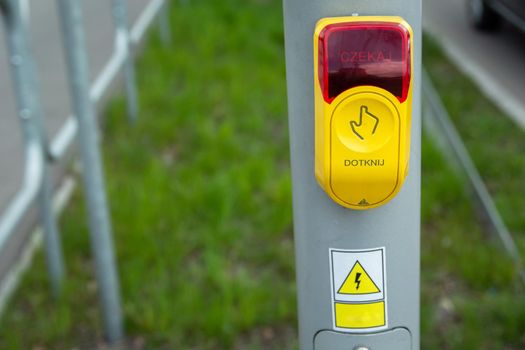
(481, 16)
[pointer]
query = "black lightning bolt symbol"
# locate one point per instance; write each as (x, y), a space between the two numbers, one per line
(357, 281)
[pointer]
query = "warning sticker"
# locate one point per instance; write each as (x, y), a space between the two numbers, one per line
(358, 289)
(358, 282)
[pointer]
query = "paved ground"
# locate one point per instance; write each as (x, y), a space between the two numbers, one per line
(48, 51)
(496, 61)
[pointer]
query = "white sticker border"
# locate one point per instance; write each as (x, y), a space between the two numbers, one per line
(332, 290)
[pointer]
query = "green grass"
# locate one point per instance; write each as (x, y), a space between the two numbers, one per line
(200, 198)
(479, 298)
(471, 296)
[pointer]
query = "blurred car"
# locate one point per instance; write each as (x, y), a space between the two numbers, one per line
(487, 14)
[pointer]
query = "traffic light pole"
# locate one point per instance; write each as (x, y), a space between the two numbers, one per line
(358, 271)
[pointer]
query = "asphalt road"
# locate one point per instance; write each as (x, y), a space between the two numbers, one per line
(47, 48)
(495, 61)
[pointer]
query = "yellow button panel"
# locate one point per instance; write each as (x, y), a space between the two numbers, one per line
(362, 134)
(364, 149)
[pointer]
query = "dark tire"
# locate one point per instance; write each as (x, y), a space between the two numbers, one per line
(481, 16)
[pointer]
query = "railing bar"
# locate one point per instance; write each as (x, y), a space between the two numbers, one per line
(144, 21)
(73, 38)
(441, 115)
(24, 74)
(122, 42)
(68, 131)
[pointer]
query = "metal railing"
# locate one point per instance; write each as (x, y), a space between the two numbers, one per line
(103, 81)
(41, 154)
(439, 125)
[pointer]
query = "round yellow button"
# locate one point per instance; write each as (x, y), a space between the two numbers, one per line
(365, 121)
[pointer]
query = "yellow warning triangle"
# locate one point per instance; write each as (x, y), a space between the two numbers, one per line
(358, 282)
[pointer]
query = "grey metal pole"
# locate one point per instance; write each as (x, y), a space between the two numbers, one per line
(123, 42)
(327, 234)
(99, 219)
(23, 70)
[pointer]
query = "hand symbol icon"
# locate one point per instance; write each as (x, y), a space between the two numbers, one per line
(367, 124)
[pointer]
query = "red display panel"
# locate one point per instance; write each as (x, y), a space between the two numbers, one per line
(364, 53)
